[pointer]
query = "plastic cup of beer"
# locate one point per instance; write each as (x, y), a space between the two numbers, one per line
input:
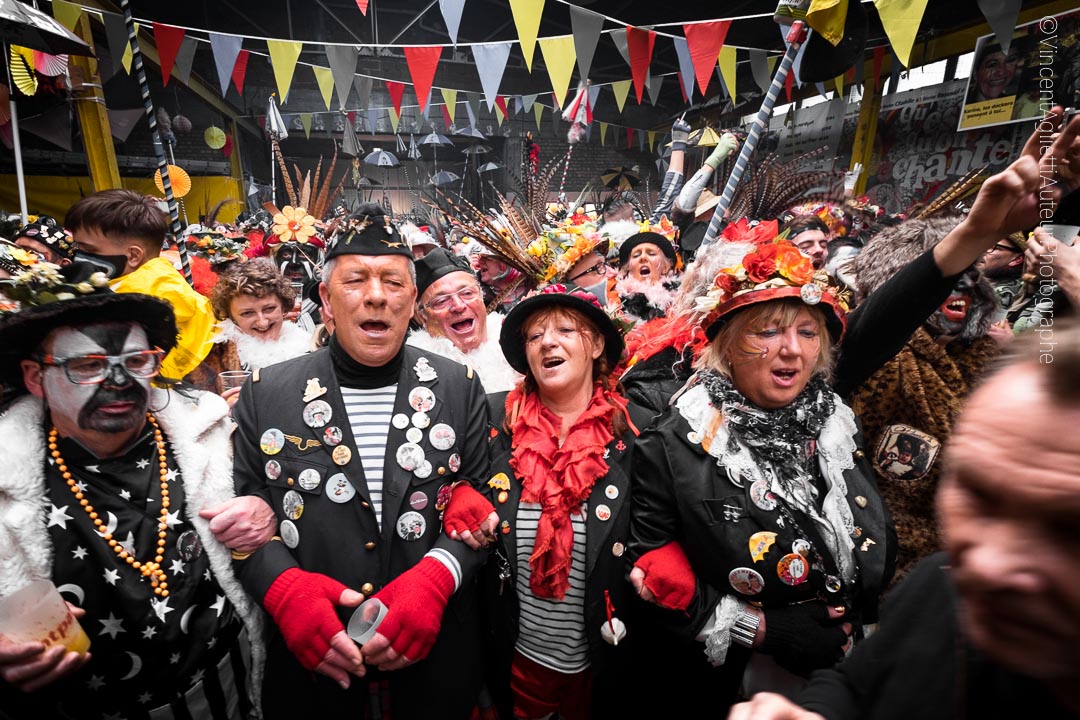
(38, 613)
(232, 379)
(365, 620)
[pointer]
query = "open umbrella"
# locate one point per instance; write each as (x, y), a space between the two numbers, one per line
(381, 158)
(444, 177)
(349, 144)
(489, 166)
(30, 28)
(620, 178)
(435, 139)
(472, 132)
(476, 150)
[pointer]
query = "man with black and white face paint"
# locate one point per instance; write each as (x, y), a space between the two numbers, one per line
(126, 476)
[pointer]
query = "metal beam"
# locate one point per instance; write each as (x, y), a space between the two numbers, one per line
(94, 117)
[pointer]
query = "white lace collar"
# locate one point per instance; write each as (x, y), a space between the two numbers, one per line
(255, 352)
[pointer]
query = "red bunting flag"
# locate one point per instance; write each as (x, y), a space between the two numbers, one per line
(422, 63)
(704, 41)
(788, 81)
(168, 40)
(500, 101)
(682, 88)
(630, 138)
(640, 45)
(362, 4)
(446, 115)
(397, 91)
(240, 70)
(352, 118)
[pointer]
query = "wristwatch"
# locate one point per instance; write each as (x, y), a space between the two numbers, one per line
(745, 628)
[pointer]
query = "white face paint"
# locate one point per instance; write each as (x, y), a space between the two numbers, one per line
(114, 406)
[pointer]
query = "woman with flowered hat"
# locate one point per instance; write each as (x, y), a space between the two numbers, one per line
(649, 273)
(560, 445)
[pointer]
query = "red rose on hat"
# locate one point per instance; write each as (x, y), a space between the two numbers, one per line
(760, 265)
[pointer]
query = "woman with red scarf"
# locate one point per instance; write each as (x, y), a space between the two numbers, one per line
(559, 449)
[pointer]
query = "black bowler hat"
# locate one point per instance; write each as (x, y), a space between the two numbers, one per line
(641, 239)
(368, 232)
(436, 264)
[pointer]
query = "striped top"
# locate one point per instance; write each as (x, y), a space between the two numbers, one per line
(369, 415)
(552, 632)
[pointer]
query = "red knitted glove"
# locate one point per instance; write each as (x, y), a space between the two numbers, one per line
(466, 510)
(668, 576)
(415, 601)
(303, 606)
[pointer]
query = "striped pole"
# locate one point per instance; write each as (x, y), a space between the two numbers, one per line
(159, 144)
(796, 38)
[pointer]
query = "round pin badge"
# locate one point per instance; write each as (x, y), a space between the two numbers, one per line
(603, 513)
(400, 421)
(189, 545)
(342, 455)
(317, 413)
(611, 492)
(420, 419)
(801, 546)
(414, 435)
(746, 581)
(309, 478)
(442, 436)
(409, 456)
(810, 293)
(833, 584)
(411, 526)
(421, 399)
(618, 549)
(272, 441)
(454, 461)
(339, 489)
(273, 469)
(761, 496)
(293, 505)
(792, 569)
(423, 471)
(289, 534)
(418, 500)
(332, 435)
(693, 437)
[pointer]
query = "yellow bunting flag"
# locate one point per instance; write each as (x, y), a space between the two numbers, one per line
(67, 14)
(621, 90)
(125, 60)
(727, 69)
(538, 110)
(839, 81)
(325, 78)
(827, 18)
(450, 98)
(560, 58)
(527, 21)
(901, 19)
(603, 133)
(283, 57)
(394, 118)
(305, 122)
(652, 139)
(772, 60)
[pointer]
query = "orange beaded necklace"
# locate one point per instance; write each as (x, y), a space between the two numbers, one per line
(153, 569)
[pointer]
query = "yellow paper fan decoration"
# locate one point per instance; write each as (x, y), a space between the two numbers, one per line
(214, 137)
(22, 70)
(178, 178)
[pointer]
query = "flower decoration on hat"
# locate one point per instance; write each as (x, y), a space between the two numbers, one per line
(216, 247)
(42, 283)
(294, 225)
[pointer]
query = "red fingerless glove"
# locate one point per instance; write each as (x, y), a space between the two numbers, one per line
(466, 510)
(415, 601)
(668, 576)
(303, 606)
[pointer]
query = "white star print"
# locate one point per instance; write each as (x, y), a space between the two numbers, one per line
(129, 543)
(207, 575)
(51, 461)
(93, 468)
(95, 682)
(145, 698)
(59, 516)
(219, 605)
(177, 567)
(79, 553)
(171, 475)
(111, 576)
(173, 519)
(197, 677)
(174, 658)
(125, 494)
(161, 607)
(142, 464)
(211, 643)
(112, 626)
(81, 485)
(148, 633)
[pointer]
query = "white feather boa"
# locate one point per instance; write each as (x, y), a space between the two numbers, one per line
(487, 360)
(659, 295)
(255, 352)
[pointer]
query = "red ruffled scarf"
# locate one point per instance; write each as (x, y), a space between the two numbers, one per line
(558, 478)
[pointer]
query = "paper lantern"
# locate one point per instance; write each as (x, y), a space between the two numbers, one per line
(181, 125)
(178, 177)
(214, 137)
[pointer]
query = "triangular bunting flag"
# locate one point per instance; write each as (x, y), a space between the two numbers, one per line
(422, 63)
(184, 59)
(586, 27)
(447, 115)
(527, 21)
(225, 48)
(652, 140)
(640, 44)
(283, 57)
(342, 59)
(538, 111)
(901, 20)
(683, 86)
(305, 122)
(630, 138)
(838, 81)
(789, 81)
(240, 70)
(559, 58)
(67, 14)
(517, 104)
(490, 64)
(122, 122)
(619, 38)
(472, 107)
(527, 102)
(827, 18)
(451, 15)
(116, 36)
(363, 90)
(362, 4)
(53, 125)
(641, 140)
(705, 41)
(324, 77)
(1001, 15)
(621, 89)
(397, 92)
(759, 68)
(126, 59)
(594, 92)
(395, 118)
(772, 60)
(373, 118)
(653, 83)
(727, 59)
(500, 110)
(450, 98)
(687, 73)
(168, 40)
(603, 133)
(894, 72)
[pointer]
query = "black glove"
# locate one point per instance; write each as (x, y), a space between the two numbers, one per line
(802, 638)
(680, 131)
